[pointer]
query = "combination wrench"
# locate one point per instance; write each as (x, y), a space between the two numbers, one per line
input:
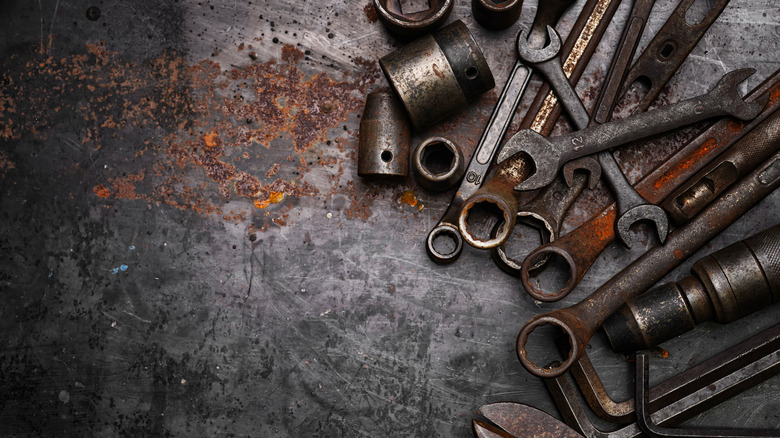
(549, 154)
(548, 14)
(632, 207)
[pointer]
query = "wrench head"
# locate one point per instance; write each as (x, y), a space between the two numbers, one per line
(650, 212)
(588, 164)
(532, 56)
(726, 90)
(544, 156)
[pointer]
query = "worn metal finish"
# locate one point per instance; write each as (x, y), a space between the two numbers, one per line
(668, 49)
(545, 212)
(497, 15)
(680, 385)
(523, 421)
(651, 429)
(580, 248)
(499, 192)
(438, 164)
(549, 13)
(437, 75)
(413, 24)
(726, 374)
(724, 286)
(385, 133)
(548, 155)
(484, 429)
(580, 321)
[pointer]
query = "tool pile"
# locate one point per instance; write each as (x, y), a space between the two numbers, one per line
(703, 187)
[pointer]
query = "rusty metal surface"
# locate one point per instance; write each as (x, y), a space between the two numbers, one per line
(187, 247)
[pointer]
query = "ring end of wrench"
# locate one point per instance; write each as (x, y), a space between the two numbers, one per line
(442, 230)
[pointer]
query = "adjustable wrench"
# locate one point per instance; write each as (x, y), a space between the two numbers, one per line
(548, 14)
(631, 206)
(548, 155)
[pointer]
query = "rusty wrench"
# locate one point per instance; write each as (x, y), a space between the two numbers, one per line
(549, 154)
(549, 13)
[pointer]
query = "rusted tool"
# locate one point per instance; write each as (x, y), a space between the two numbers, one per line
(496, 15)
(580, 247)
(668, 49)
(651, 429)
(438, 74)
(438, 164)
(580, 321)
(548, 14)
(724, 286)
(498, 196)
(383, 147)
(415, 23)
(519, 420)
(549, 154)
(681, 385)
(752, 370)
(483, 429)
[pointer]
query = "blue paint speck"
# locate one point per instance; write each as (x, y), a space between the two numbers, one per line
(51, 273)
(123, 268)
(132, 247)
(115, 270)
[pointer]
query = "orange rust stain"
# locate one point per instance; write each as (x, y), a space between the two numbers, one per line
(211, 139)
(774, 96)
(101, 191)
(273, 198)
(685, 164)
(735, 126)
(409, 198)
(371, 13)
(678, 254)
(660, 352)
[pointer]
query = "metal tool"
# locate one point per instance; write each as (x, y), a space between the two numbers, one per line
(483, 429)
(631, 206)
(667, 50)
(724, 286)
(438, 164)
(653, 430)
(549, 154)
(679, 386)
(438, 74)
(497, 198)
(416, 23)
(496, 15)
(580, 321)
(548, 13)
(519, 420)
(752, 371)
(385, 132)
(580, 247)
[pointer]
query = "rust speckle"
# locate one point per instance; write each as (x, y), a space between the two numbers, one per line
(370, 12)
(437, 72)
(660, 352)
(735, 126)
(678, 254)
(101, 191)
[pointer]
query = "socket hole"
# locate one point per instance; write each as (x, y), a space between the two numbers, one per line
(438, 158)
(445, 243)
(386, 156)
(541, 338)
(472, 72)
(485, 221)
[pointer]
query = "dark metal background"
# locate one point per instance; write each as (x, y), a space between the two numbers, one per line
(148, 288)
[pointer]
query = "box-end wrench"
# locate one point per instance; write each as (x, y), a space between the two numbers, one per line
(580, 321)
(549, 13)
(549, 154)
(632, 207)
(581, 246)
(653, 430)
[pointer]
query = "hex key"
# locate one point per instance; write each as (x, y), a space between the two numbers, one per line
(645, 420)
(685, 383)
(565, 396)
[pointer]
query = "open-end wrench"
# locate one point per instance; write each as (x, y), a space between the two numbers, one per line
(582, 246)
(549, 13)
(580, 321)
(549, 154)
(653, 430)
(632, 207)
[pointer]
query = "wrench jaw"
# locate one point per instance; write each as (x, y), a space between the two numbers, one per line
(539, 151)
(726, 91)
(588, 164)
(532, 56)
(647, 212)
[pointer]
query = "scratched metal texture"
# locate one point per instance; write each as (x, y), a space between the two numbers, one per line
(187, 249)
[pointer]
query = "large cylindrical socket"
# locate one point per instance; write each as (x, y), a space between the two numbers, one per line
(437, 75)
(384, 139)
(726, 285)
